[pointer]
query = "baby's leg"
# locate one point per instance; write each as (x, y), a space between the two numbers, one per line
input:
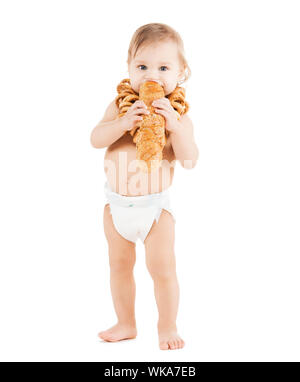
(160, 261)
(121, 260)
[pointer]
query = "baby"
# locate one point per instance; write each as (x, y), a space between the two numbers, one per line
(138, 203)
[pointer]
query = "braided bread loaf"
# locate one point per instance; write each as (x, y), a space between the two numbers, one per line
(149, 134)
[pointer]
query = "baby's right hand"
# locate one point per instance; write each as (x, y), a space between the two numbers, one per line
(133, 115)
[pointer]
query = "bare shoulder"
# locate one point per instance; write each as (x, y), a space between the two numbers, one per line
(111, 112)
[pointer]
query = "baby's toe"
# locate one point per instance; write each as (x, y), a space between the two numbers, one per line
(105, 336)
(164, 345)
(178, 344)
(172, 344)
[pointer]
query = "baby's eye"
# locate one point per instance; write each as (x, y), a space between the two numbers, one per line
(141, 65)
(164, 67)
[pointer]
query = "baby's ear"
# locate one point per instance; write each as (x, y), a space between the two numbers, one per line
(181, 77)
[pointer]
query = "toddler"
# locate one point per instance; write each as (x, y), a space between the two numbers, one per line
(137, 203)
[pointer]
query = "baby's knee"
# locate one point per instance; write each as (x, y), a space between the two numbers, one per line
(122, 264)
(162, 270)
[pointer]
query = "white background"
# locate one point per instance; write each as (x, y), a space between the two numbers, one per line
(237, 232)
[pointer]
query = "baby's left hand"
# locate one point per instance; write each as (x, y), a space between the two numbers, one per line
(163, 106)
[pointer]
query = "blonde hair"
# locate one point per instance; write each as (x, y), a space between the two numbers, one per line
(156, 32)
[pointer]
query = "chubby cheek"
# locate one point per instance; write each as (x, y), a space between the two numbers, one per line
(136, 81)
(170, 88)
(134, 85)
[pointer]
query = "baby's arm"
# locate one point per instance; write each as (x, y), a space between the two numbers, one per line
(183, 143)
(109, 129)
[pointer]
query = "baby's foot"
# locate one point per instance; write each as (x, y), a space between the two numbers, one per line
(118, 333)
(169, 339)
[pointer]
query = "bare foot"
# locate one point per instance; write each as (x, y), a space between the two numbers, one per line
(118, 333)
(169, 339)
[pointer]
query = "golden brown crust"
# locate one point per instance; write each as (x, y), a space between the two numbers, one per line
(150, 137)
(149, 91)
(126, 96)
(149, 134)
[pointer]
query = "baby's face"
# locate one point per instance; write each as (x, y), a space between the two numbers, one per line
(157, 62)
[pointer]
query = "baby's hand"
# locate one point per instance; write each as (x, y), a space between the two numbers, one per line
(133, 115)
(163, 106)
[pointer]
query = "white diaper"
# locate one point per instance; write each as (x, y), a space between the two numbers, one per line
(133, 216)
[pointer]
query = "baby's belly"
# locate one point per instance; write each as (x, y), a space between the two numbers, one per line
(126, 178)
